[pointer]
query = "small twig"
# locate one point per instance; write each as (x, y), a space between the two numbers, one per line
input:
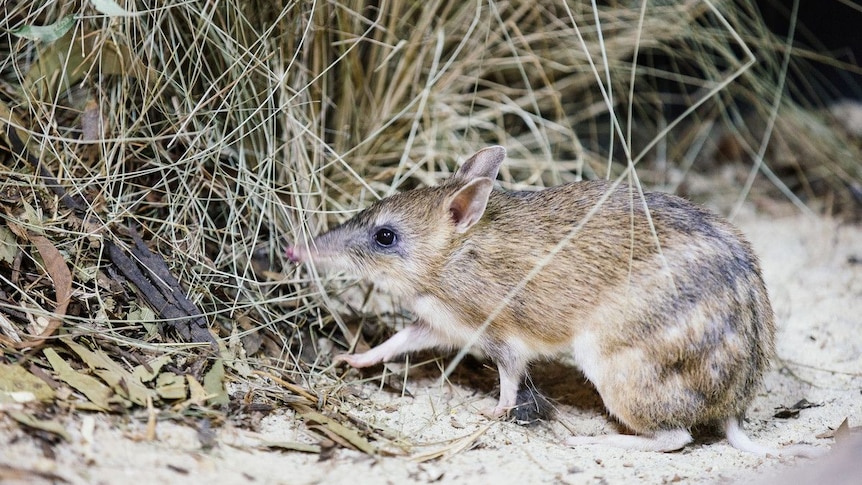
(298, 390)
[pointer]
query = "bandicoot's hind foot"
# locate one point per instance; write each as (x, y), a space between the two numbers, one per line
(739, 440)
(665, 440)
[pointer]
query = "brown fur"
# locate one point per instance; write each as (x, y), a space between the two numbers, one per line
(664, 310)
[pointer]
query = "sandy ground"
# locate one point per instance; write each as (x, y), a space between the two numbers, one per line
(813, 268)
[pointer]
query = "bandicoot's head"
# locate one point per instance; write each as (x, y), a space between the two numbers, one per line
(399, 240)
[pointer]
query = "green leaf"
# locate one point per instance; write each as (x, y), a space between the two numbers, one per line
(46, 33)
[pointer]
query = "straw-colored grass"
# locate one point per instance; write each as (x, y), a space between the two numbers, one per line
(221, 130)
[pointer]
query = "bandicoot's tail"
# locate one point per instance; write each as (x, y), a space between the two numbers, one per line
(739, 440)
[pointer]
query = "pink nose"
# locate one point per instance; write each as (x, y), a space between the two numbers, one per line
(292, 254)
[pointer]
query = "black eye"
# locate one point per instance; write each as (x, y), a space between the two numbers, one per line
(385, 237)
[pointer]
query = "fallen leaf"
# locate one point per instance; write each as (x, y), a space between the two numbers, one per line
(234, 355)
(58, 271)
(17, 384)
(214, 384)
(148, 372)
(123, 382)
(291, 446)
(171, 386)
(793, 411)
(296, 389)
(66, 61)
(10, 119)
(330, 435)
(9, 329)
(52, 427)
(98, 393)
(146, 318)
(456, 446)
(350, 435)
(197, 393)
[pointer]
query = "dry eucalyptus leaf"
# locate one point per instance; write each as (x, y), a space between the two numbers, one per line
(455, 447)
(171, 386)
(123, 382)
(38, 324)
(65, 63)
(55, 266)
(350, 435)
(234, 355)
(43, 425)
(98, 393)
(291, 446)
(17, 384)
(146, 318)
(214, 384)
(146, 373)
(197, 393)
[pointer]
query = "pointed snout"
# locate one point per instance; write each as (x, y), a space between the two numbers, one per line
(319, 250)
(296, 254)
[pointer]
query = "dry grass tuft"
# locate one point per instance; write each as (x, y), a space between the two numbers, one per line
(218, 130)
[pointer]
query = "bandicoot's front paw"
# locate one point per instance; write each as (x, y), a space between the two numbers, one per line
(496, 412)
(357, 361)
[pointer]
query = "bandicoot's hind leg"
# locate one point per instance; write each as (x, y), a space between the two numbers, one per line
(662, 440)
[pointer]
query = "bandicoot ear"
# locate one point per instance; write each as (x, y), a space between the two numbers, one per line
(484, 163)
(468, 204)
